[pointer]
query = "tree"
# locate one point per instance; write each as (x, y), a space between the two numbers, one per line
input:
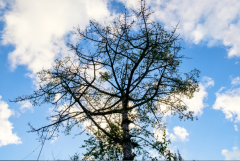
(178, 157)
(75, 157)
(122, 77)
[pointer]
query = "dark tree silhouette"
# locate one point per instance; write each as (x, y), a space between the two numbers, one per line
(123, 76)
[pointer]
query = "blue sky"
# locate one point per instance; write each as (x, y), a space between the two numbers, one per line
(34, 33)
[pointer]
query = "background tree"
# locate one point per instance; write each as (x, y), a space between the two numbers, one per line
(123, 79)
(178, 156)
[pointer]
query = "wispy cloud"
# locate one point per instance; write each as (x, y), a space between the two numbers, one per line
(26, 105)
(235, 127)
(2, 4)
(236, 81)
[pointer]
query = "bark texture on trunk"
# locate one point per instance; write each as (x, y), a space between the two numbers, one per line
(127, 147)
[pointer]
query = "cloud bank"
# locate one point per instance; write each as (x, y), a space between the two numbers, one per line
(6, 135)
(40, 29)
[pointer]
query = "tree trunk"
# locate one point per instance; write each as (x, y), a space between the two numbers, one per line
(127, 147)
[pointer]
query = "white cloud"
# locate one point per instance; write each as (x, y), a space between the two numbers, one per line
(230, 155)
(207, 81)
(179, 134)
(236, 81)
(53, 140)
(130, 3)
(235, 127)
(228, 102)
(6, 137)
(2, 4)
(39, 29)
(212, 21)
(197, 104)
(172, 137)
(26, 105)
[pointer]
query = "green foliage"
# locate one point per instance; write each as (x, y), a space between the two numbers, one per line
(105, 76)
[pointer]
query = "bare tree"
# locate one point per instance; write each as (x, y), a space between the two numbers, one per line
(123, 79)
